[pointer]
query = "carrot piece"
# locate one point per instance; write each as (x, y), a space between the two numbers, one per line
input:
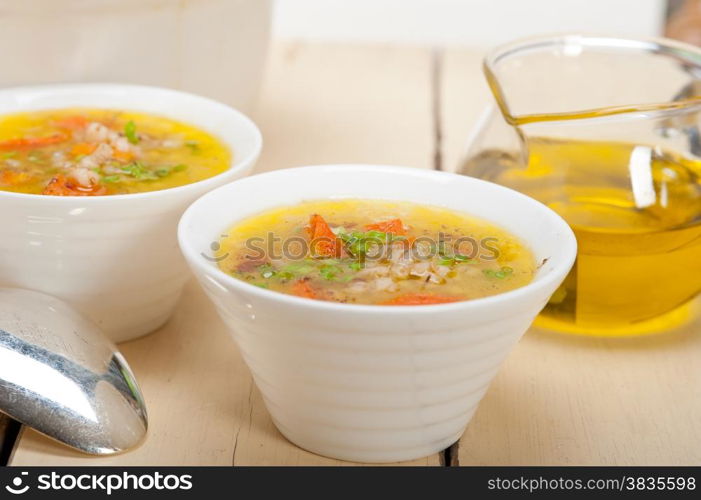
(122, 155)
(72, 122)
(393, 226)
(323, 241)
(62, 186)
(302, 289)
(12, 178)
(83, 149)
(32, 142)
(420, 299)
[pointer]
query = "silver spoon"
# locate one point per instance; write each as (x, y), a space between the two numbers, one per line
(61, 376)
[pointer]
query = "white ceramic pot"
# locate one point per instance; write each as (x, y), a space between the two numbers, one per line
(374, 383)
(114, 258)
(214, 48)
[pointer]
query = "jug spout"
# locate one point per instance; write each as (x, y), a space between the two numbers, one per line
(577, 77)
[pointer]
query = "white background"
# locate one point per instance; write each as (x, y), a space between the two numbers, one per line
(472, 23)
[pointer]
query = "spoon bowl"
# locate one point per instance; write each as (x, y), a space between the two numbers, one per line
(60, 375)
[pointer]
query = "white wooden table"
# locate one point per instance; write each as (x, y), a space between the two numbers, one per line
(558, 400)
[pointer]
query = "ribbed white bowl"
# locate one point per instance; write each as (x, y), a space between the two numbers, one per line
(114, 258)
(374, 383)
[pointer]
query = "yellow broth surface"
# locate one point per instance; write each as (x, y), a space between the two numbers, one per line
(92, 152)
(375, 252)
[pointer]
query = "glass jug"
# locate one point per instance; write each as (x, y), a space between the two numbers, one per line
(605, 131)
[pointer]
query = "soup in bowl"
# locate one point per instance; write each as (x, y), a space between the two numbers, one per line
(93, 179)
(375, 252)
(393, 371)
(99, 152)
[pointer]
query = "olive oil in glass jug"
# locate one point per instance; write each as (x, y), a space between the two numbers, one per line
(605, 132)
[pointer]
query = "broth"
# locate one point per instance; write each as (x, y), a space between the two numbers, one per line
(375, 252)
(90, 152)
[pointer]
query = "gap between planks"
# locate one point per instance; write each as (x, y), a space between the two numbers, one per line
(9, 434)
(448, 457)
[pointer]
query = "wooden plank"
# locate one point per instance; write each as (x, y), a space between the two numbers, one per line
(464, 97)
(575, 400)
(346, 104)
(320, 104)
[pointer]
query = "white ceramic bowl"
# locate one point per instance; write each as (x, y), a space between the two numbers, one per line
(114, 258)
(374, 383)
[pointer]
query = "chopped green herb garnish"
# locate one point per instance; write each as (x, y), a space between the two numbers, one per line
(446, 260)
(329, 261)
(111, 178)
(359, 243)
(135, 169)
(299, 268)
(329, 272)
(266, 271)
(160, 172)
(35, 157)
(9, 154)
(285, 275)
(130, 132)
(194, 146)
(355, 266)
(462, 258)
(500, 274)
(378, 235)
(262, 285)
(140, 171)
